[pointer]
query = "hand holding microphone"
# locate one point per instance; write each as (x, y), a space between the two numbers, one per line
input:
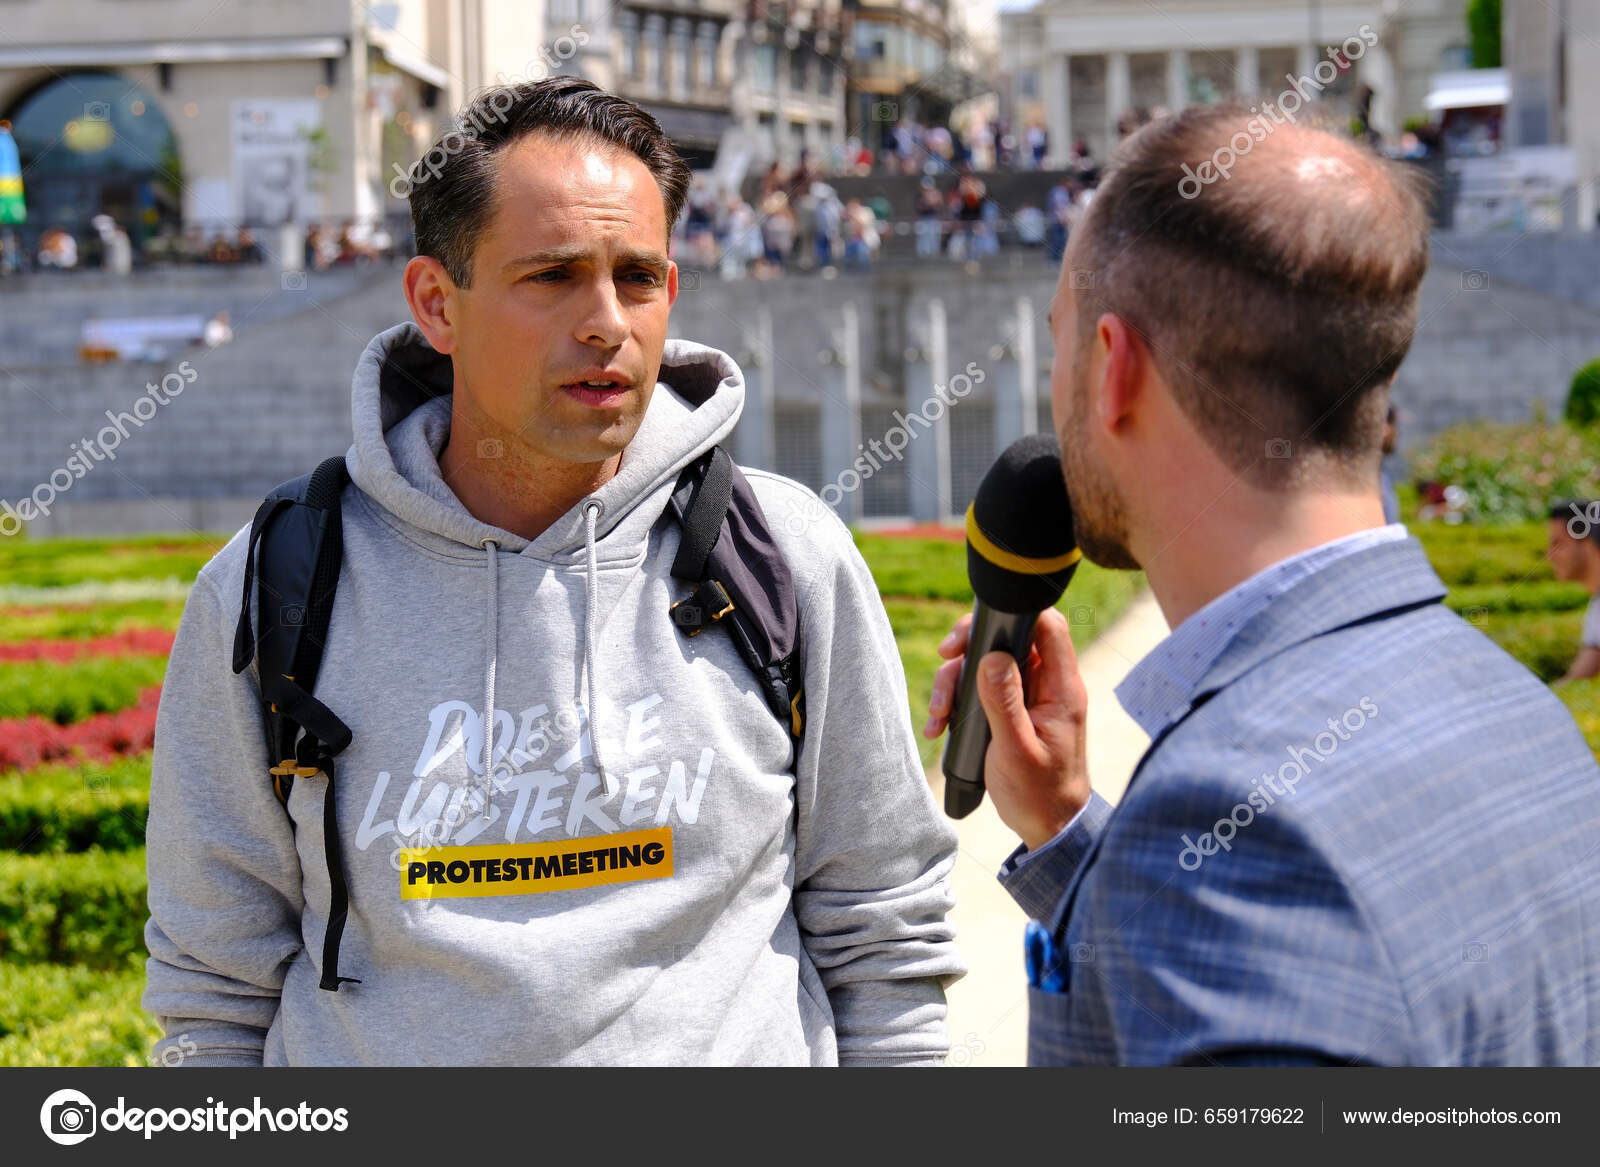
(1026, 744)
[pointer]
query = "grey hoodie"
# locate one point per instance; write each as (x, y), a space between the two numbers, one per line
(645, 873)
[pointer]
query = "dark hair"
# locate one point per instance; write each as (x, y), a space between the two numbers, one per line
(1277, 315)
(1579, 508)
(452, 185)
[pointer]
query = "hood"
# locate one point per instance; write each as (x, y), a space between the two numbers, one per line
(400, 409)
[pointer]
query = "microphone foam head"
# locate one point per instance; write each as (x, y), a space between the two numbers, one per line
(1020, 547)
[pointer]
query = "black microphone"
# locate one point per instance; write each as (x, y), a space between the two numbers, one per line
(1021, 553)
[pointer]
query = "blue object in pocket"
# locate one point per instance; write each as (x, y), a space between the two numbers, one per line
(1046, 968)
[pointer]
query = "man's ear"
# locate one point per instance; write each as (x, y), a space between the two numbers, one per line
(432, 295)
(1122, 359)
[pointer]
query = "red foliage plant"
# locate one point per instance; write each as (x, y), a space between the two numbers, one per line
(26, 742)
(130, 642)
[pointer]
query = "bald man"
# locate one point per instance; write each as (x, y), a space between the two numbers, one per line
(1362, 833)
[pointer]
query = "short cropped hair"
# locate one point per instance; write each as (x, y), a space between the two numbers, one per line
(1276, 301)
(452, 186)
(1582, 517)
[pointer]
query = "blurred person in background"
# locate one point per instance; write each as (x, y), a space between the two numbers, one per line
(1391, 436)
(777, 232)
(116, 249)
(1574, 554)
(58, 250)
(930, 218)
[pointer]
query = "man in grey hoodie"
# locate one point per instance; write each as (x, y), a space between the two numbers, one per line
(507, 555)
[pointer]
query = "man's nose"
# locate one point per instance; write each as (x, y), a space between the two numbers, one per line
(603, 321)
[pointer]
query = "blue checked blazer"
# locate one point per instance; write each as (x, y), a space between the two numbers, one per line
(1425, 892)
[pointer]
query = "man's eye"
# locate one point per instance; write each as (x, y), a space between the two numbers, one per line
(649, 278)
(539, 277)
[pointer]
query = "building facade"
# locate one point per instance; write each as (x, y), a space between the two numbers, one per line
(196, 114)
(1081, 67)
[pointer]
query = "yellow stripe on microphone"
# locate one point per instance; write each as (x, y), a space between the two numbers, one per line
(1021, 564)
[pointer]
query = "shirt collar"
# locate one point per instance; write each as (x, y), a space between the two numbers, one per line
(1159, 689)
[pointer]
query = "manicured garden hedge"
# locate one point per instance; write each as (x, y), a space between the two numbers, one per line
(87, 908)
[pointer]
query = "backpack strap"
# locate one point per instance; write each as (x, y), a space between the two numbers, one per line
(291, 573)
(740, 578)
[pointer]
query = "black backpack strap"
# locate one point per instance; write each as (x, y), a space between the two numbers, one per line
(291, 574)
(741, 580)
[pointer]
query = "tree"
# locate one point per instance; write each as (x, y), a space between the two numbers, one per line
(1483, 27)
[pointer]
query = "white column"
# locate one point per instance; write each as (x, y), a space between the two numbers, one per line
(939, 366)
(1177, 79)
(1119, 88)
(1057, 92)
(841, 412)
(1027, 366)
(1246, 70)
(1376, 68)
(1305, 60)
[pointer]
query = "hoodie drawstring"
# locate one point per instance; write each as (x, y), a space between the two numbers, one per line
(490, 548)
(592, 509)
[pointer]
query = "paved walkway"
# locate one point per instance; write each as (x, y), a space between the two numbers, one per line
(988, 1007)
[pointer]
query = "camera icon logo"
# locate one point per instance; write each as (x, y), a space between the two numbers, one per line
(294, 281)
(1474, 280)
(491, 448)
(1081, 953)
(1082, 279)
(1278, 448)
(1475, 952)
(885, 111)
(97, 111)
(1081, 614)
(68, 1117)
(293, 615)
(688, 281)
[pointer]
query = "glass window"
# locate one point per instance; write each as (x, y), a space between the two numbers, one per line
(655, 36)
(682, 47)
(797, 68)
(765, 73)
(709, 38)
(629, 20)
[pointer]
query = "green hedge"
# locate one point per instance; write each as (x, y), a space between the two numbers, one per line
(44, 818)
(59, 562)
(32, 995)
(120, 774)
(1512, 472)
(73, 909)
(80, 622)
(75, 1017)
(69, 692)
(1543, 596)
(1471, 553)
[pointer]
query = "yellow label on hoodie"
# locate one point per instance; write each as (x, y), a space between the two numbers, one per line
(521, 868)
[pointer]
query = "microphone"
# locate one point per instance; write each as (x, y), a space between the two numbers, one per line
(1021, 553)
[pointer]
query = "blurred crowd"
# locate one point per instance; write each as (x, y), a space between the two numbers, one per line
(109, 248)
(798, 221)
